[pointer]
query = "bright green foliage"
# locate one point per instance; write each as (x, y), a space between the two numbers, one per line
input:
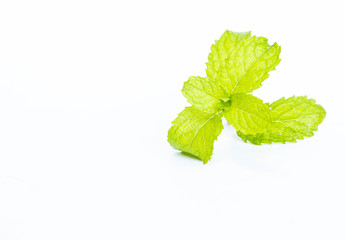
(248, 65)
(194, 131)
(206, 93)
(221, 50)
(248, 114)
(237, 65)
(293, 118)
(203, 93)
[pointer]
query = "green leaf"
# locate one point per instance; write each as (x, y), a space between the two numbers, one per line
(206, 93)
(248, 114)
(248, 65)
(276, 134)
(203, 93)
(221, 50)
(293, 118)
(194, 132)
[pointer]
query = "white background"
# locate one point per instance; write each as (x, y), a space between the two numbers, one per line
(88, 90)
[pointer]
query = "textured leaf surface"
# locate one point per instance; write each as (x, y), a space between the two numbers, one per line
(203, 93)
(248, 114)
(276, 134)
(194, 132)
(221, 50)
(248, 65)
(237, 65)
(293, 118)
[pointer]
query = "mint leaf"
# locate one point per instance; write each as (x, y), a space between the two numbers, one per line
(203, 93)
(248, 114)
(293, 118)
(194, 132)
(248, 65)
(276, 134)
(221, 50)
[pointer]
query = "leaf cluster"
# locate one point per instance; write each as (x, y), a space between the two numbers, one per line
(237, 65)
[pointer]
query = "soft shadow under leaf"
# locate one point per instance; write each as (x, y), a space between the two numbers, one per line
(191, 156)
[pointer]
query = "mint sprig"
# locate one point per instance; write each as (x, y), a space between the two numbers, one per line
(237, 65)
